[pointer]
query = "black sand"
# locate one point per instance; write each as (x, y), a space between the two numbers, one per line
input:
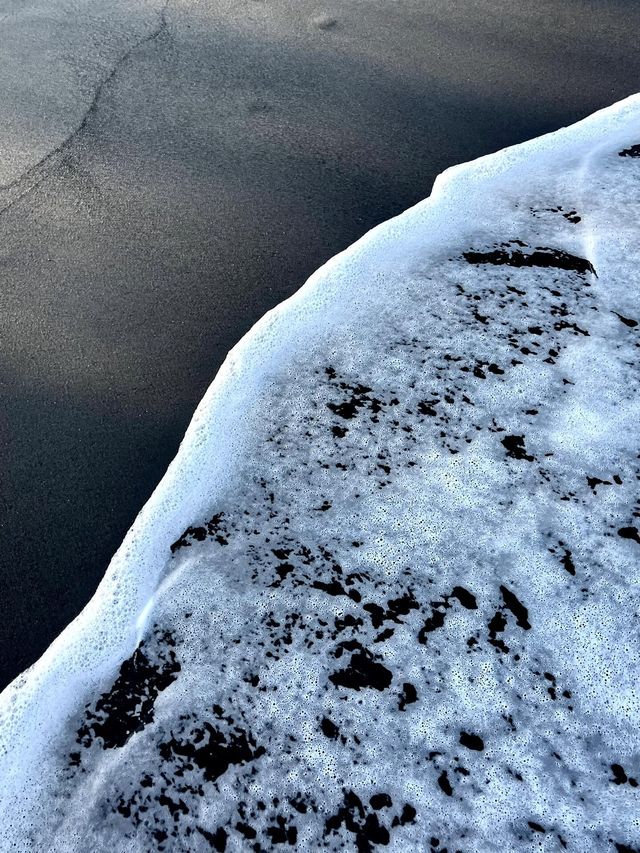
(235, 147)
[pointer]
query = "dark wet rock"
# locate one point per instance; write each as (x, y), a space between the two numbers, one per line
(561, 325)
(408, 815)
(301, 805)
(395, 608)
(620, 777)
(282, 833)
(246, 830)
(363, 822)
(347, 621)
(568, 563)
(594, 482)
(425, 407)
(566, 558)
(377, 614)
(385, 635)
(358, 399)
(174, 808)
(282, 571)
(401, 606)
(497, 625)
(214, 529)
(331, 588)
(435, 621)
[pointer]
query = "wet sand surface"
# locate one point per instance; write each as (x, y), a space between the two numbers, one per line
(170, 172)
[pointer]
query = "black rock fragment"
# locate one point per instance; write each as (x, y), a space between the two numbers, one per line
(435, 621)
(282, 833)
(620, 777)
(212, 528)
(567, 562)
(496, 626)
(408, 816)
(246, 830)
(217, 839)
(366, 827)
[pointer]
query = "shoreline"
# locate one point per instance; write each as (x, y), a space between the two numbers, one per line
(196, 199)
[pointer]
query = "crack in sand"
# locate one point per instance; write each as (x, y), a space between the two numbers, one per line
(33, 170)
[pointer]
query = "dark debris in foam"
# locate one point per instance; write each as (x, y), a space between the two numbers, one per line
(571, 215)
(362, 671)
(196, 753)
(632, 151)
(540, 256)
(368, 825)
(214, 529)
(631, 532)
(129, 704)
(210, 748)
(628, 321)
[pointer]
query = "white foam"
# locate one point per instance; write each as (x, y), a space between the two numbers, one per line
(399, 280)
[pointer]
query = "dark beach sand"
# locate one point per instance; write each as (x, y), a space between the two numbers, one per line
(236, 147)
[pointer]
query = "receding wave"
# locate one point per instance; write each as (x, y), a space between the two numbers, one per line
(387, 593)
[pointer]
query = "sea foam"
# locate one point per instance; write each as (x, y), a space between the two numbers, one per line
(387, 592)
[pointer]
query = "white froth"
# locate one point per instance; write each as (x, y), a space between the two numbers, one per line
(491, 445)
